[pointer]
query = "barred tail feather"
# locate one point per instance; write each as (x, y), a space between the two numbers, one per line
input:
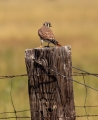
(54, 42)
(59, 45)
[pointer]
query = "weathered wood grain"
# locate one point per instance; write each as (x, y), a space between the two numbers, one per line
(50, 94)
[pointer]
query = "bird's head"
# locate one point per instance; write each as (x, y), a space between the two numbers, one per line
(48, 24)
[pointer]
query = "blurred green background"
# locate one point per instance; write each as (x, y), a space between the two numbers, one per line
(74, 23)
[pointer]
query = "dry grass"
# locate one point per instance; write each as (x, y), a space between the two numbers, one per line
(74, 23)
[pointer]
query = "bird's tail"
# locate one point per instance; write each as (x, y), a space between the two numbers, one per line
(59, 45)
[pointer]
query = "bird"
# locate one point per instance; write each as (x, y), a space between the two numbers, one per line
(46, 34)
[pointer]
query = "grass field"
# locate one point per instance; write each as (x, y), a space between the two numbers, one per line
(74, 23)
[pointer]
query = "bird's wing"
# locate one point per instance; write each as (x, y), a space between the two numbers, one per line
(46, 33)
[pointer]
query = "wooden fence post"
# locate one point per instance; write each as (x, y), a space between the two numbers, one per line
(50, 93)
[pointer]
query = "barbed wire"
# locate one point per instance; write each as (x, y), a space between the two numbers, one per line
(25, 75)
(80, 73)
(85, 72)
(20, 117)
(12, 76)
(15, 117)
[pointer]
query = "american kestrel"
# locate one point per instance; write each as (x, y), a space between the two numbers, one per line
(45, 34)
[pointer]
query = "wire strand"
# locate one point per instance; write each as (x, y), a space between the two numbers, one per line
(80, 73)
